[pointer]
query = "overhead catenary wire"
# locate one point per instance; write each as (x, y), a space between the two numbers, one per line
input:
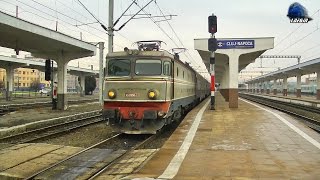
(294, 30)
(81, 14)
(94, 34)
(150, 17)
(102, 25)
(175, 33)
(298, 41)
(115, 23)
(99, 21)
(141, 9)
(61, 14)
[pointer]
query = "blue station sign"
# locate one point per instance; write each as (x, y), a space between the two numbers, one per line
(235, 44)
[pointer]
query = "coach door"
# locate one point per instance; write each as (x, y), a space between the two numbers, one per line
(167, 70)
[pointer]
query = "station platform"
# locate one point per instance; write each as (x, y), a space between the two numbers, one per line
(43, 98)
(28, 119)
(250, 142)
(304, 100)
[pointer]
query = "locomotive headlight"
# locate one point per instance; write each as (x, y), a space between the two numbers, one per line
(152, 94)
(111, 94)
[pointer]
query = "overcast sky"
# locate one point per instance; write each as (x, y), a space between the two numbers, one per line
(236, 18)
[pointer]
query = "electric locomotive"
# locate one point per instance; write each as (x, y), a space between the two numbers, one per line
(148, 88)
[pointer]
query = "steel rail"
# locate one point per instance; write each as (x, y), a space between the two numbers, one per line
(69, 157)
(312, 123)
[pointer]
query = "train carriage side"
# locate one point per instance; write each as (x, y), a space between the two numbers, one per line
(184, 89)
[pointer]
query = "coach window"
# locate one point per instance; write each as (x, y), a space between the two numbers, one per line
(119, 67)
(166, 68)
(148, 67)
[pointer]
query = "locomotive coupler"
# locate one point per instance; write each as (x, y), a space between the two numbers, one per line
(132, 121)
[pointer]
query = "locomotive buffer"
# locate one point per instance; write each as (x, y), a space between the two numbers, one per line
(212, 46)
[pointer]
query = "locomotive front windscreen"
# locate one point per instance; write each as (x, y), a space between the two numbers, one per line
(119, 67)
(148, 67)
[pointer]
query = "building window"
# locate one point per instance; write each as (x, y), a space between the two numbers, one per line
(23, 72)
(24, 84)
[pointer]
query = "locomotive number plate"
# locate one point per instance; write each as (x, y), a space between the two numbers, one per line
(131, 95)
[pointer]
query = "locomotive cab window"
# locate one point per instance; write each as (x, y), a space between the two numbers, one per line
(166, 68)
(119, 67)
(148, 67)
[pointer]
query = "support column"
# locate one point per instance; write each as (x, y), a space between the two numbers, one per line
(82, 85)
(9, 82)
(318, 85)
(233, 80)
(275, 87)
(268, 86)
(62, 85)
(262, 87)
(227, 81)
(298, 93)
(285, 86)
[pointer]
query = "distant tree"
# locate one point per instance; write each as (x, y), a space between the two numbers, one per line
(35, 85)
(90, 84)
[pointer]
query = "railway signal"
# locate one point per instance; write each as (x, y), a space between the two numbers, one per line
(212, 46)
(212, 23)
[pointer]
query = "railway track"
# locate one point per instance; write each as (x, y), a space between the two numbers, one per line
(55, 171)
(14, 107)
(310, 115)
(48, 131)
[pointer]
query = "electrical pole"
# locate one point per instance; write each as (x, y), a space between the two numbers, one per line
(110, 28)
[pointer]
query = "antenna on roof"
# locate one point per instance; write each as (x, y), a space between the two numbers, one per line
(151, 45)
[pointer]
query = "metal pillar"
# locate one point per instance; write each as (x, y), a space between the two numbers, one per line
(110, 28)
(101, 74)
(212, 88)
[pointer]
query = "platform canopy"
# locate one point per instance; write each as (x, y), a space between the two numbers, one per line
(307, 67)
(42, 42)
(247, 55)
(40, 65)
